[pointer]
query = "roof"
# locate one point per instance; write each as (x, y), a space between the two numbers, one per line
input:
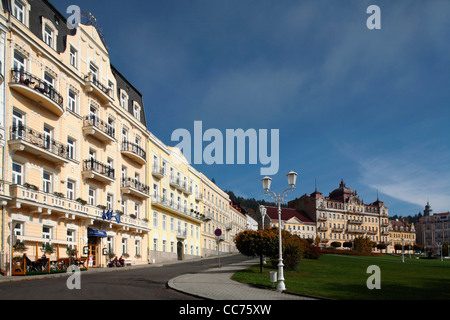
(288, 213)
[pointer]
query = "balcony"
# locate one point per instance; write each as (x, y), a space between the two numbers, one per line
(181, 234)
(322, 218)
(175, 182)
(99, 129)
(158, 172)
(355, 230)
(37, 90)
(322, 228)
(134, 152)
(134, 188)
(198, 196)
(28, 140)
(175, 208)
(93, 169)
(38, 201)
(94, 86)
(335, 229)
(355, 221)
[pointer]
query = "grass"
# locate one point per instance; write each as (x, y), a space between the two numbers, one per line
(344, 278)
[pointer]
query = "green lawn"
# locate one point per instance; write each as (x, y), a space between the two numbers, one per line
(344, 277)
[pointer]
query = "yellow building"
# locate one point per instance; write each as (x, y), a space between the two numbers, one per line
(175, 207)
(75, 143)
(400, 234)
(216, 209)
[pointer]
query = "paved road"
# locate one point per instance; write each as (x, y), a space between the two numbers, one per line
(145, 283)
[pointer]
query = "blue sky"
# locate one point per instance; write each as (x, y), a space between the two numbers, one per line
(367, 106)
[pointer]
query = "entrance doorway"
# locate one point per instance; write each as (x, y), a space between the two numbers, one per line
(92, 244)
(180, 251)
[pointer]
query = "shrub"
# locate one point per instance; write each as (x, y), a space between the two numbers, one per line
(363, 245)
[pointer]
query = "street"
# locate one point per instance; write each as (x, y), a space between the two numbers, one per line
(148, 283)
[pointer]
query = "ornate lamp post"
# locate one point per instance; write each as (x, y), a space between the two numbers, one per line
(279, 199)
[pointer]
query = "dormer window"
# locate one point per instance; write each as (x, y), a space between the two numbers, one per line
(49, 36)
(124, 100)
(19, 11)
(137, 111)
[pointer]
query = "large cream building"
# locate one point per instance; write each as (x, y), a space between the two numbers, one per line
(80, 169)
(342, 216)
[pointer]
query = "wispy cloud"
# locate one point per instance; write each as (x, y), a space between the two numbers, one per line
(405, 176)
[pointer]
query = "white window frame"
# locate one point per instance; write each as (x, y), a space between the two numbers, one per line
(19, 13)
(72, 101)
(17, 177)
(73, 53)
(71, 191)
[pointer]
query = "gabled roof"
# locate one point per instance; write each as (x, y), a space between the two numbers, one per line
(287, 214)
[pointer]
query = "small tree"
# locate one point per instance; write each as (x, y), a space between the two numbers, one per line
(363, 245)
(257, 243)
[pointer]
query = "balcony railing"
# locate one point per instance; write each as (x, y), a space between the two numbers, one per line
(135, 184)
(99, 169)
(157, 171)
(39, 86)
(104, 92)
(134, 151)
(38, 141)
(175, 206)
(28, 197)
(103, 127)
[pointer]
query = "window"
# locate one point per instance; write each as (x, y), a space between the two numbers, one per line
(124, 135)
(17, 174)
(123, 205)
(124, 246)
(136, 209)
(91, 199)
(72, 101)
(47, 137)
(70, 190)
(155, 219)
(18, 229)
(71, 148)
(137, 247)
(46, 232)
(94, 71)
(137, 112)
(19, 62)
(49, 80)
(73, 56)
(47, 182)
(70, 238)
(109, 244)
(19, 11)
(124, 100)
(164, 222)
(109, 201)
(49, 36)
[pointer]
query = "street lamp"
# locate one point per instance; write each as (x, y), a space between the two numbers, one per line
(280, 198)
(263, 211)
(403, 256)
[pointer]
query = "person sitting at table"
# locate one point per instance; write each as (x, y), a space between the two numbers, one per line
(122, 261)
(29, 263)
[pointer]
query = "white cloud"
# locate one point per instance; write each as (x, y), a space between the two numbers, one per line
(399, 176)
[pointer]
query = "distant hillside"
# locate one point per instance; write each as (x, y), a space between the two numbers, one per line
(248, 205)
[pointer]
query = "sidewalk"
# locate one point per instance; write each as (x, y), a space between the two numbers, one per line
(216, 284)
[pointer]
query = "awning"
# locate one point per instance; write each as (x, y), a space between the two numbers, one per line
(92, 232)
